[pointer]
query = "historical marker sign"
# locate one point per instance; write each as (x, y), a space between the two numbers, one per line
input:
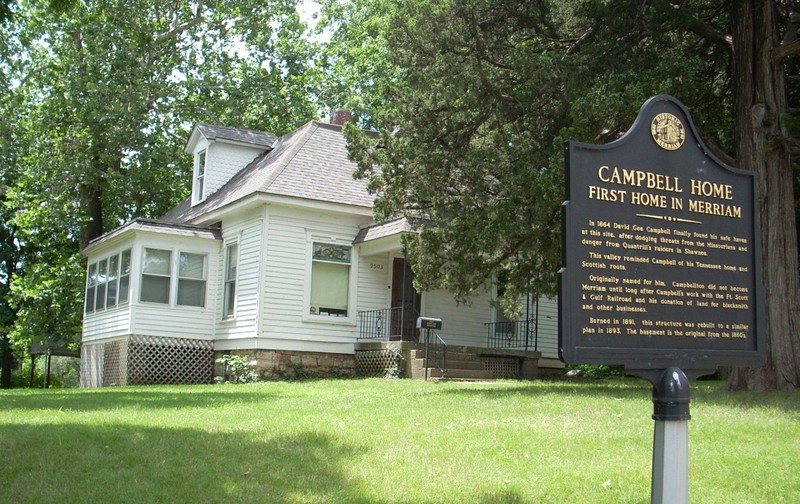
(661, 251)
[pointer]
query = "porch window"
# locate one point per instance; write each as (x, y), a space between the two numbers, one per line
(330, 280)
(231, 269)
(192, 280)
(124, 276)
(91, 287)
(199, 177)
(156, 273)
(108, 282)
(102, 282)
(113, 278)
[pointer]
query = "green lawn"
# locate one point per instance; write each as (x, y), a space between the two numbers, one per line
(387, 441)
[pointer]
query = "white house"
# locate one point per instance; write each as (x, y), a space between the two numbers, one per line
(274, 255)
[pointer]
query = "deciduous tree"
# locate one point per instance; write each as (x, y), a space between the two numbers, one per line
(484, 92)
(105, 94)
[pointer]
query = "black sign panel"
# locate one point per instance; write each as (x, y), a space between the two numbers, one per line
(661, 251)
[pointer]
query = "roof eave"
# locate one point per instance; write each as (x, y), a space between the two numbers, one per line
(152, 226)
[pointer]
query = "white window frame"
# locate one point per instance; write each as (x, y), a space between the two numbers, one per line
(173, 277)
(117, 278)
(199, 179)
(309, 315)
(155, 275)
(230, 283)
(184, 280)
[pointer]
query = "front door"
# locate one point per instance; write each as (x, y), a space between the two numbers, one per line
(406, 302)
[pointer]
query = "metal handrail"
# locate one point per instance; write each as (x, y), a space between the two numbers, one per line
(387, 322)
(436, 351)
(513, 334)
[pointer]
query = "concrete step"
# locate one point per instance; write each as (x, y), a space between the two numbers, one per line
(461, 374)
(452, 364)
(454, 356)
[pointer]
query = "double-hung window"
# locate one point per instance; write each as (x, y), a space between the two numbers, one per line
(158, 272)
(199, 176)
(192, 280)
(108, 282)
(156, 275)
(231, 269)
(330, 279)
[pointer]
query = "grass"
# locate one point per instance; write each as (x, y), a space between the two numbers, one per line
(384, 441)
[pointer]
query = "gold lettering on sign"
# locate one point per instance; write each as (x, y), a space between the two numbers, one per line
(628, 306)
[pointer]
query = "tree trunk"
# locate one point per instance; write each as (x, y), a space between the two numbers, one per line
(92, 203)
(6, 362)
(759, 103)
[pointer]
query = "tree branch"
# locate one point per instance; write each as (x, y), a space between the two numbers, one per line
(707, 32)
(783, 51)
(177, 30)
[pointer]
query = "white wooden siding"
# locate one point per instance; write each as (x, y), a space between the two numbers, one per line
(286, 322)
(548, 327)
(248, 235)
(170, 320)
(153, 319)
(374, 282)
(109, 323)
(223, 161)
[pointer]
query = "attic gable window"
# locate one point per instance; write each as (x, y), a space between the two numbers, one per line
(198, 194)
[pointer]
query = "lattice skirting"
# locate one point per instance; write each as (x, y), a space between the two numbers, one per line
(502, 367)
(147, 360)
(375, 362)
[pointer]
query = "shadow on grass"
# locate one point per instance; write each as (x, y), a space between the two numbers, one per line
(199, 396)
(80, 463)
(76, 463)
(629, 388)
(702, 391)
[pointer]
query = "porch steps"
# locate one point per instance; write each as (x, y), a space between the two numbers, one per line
(461, 365)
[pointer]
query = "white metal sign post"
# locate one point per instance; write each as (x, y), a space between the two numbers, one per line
(670, 480)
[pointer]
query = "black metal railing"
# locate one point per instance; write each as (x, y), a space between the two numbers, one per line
(513, 334)
(435, 354)
(388, 324)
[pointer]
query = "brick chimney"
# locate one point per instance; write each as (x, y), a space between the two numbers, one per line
(341, 116)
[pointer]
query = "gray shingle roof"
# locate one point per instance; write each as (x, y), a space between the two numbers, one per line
(382, 230)
(253, 137)
(309, 163)
(390, 228)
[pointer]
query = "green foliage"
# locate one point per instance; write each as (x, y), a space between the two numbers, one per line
(237, 369)
(64, 373)
(98, 101)
(597, 371)
(474, 99)
(394, 371)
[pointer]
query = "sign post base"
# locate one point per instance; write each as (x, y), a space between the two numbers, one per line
(670, 480)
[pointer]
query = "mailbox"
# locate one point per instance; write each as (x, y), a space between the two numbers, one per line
(429, 323)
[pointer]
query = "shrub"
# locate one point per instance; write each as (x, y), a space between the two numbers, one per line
(237, 369)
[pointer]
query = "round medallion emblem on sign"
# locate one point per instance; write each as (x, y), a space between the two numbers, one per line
(668, 131)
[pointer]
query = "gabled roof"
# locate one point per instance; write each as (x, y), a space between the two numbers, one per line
(310, 163)
(377, 231)
(237, 135)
